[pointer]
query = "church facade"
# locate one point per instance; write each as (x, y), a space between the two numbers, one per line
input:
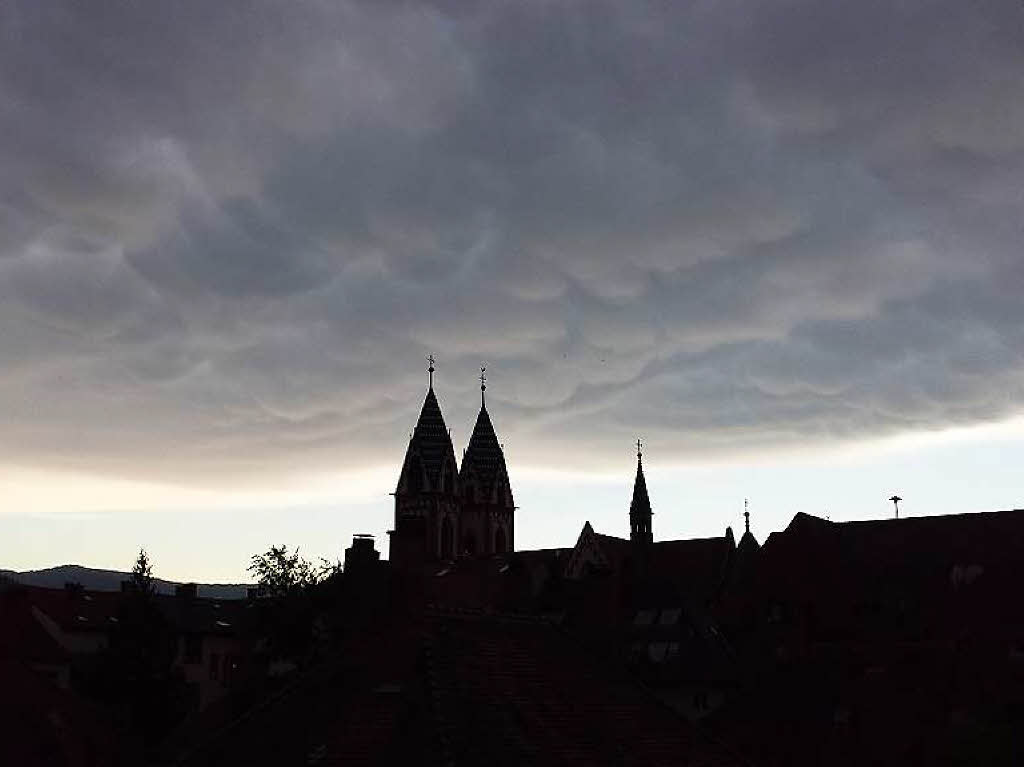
(444, 511)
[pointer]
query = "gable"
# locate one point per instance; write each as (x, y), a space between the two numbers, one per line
(586, 555)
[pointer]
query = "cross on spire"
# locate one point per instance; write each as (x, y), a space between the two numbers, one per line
(430, 370)
(746, 515)
(639, 450)
(896, 504)
(483, 383)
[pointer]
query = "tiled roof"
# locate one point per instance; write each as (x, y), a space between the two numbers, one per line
(947, 572)
(693, 566)
(451, 687)
(22, 635)
(519, 692)
(697, 562)
(41, 724)
(97, 611)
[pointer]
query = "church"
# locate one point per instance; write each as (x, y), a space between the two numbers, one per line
(444, 511)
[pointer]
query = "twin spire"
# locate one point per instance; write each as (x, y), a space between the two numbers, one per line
(483, 474)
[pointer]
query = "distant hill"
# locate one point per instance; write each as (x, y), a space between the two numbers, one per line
(110, 580)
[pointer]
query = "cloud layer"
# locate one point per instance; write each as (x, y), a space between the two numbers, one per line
(230, 232)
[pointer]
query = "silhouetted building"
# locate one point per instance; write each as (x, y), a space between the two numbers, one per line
(893, 641)
(443, 512)
(640, 569)
(54, 627)
(448, 687)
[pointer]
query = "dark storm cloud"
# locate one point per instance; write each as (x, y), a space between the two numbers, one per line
(229, 232)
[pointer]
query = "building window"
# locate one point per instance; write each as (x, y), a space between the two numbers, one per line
(670, 616)
(214, 665)
(193, 648)
(644, 617)
(656, 651)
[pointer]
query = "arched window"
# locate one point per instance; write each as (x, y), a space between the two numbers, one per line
(499, 541)
(447, 538)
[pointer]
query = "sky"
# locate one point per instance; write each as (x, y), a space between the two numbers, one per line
(781, 242)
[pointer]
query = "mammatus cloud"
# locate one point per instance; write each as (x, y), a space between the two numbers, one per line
(229, 233)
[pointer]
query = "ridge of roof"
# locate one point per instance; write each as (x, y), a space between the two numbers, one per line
(932, 518)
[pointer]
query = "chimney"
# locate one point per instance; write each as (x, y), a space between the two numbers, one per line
(362, 554)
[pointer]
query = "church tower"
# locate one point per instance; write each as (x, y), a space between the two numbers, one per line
(487, 524)
(640, 530)
(427, 496)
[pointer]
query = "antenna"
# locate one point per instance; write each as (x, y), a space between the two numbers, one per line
(896, 504)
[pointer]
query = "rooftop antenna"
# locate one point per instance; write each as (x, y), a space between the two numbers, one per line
(746, 515)
(483, 383)
(896, 504)
(430, 370)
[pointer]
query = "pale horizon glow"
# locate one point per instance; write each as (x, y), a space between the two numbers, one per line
(208, 537)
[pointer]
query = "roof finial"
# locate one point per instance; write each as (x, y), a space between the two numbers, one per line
(896, 504)
(483, 383)
(639, 451)
(746, 515)
(430, 370)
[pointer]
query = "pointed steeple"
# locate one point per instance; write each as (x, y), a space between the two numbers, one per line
(429, 464)
(483, 463)
(640, 529)
(748, 543)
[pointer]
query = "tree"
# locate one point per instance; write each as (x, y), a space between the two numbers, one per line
(142, 575)
(283, 574)
(135, 673)
(292, 585)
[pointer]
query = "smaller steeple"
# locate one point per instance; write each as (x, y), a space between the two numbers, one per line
(748, 544)
(640, 530)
